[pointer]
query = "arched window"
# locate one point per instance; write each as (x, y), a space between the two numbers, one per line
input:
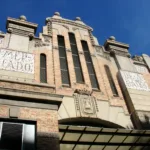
(63, 61)
(90, 66)
(76, 59)
(111, 81)
(43, 70)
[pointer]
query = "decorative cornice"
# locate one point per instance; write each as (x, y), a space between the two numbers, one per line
(65, 21)
(116, 43)
(18, 21)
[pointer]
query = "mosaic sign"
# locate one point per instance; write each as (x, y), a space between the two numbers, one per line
(141, 69)
(16, 61)
(134, 81)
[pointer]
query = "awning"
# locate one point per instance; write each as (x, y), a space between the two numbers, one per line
(94, 138)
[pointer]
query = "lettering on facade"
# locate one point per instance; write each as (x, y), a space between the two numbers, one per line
(134, 81)
(141, 69)
(16, 61)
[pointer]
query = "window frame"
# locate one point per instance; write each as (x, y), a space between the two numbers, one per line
(24, 124)
(43, 69)
(65, 58)
(111, 81)
(88, 60)
(76, 59)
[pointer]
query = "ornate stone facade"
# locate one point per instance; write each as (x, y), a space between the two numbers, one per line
(24, 95)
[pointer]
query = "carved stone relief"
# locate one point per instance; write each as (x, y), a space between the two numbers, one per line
(134, 81)
(39, 43)
(85, 105)
(47, 39)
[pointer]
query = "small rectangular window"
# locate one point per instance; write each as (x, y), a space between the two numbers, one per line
(43, 69)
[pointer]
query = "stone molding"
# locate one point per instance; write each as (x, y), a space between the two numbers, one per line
(17, 21)
(65, 21)
(84, 91)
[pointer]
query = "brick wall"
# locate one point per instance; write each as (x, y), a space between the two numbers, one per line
(105, 92)
(47, 125)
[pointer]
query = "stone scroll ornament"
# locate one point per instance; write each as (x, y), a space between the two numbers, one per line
(134, 81)
(16, 61)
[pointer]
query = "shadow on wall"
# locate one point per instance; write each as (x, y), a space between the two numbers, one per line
(145, 125)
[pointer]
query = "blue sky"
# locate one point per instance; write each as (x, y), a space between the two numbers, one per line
(127, 20)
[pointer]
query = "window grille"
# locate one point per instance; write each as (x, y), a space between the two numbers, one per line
(90, 66)
(63, 61)
(43, 70)
(111, 81)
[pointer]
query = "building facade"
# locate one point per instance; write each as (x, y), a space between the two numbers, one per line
(62, 90)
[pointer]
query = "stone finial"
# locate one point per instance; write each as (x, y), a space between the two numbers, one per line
(78, 18)
(112, 38)
(57, 13)
(23, 18)
(48, 19)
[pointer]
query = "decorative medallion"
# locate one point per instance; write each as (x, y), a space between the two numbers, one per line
(85, 105)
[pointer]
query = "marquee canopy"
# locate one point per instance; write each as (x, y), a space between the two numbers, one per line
(95, 138)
